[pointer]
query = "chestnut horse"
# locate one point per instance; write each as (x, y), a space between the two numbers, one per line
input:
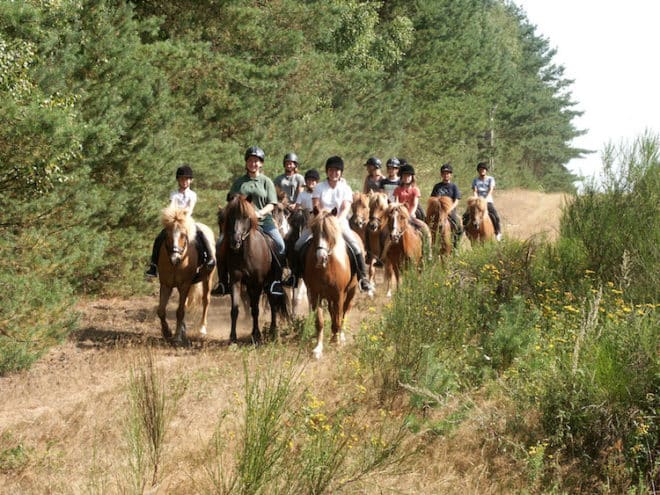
(404, 246)
(177, 265)
(360, 215)
(479, 226)
(437, 217)
(247, 256)
(376, 231)
(328, 276)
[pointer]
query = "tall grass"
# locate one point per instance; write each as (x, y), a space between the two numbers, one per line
(288, 441)
(567, 332)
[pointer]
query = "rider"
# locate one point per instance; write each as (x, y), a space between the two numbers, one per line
(408, 193)
(290, 183)
(449, 189)
(483, 186)
(334, 192)
(182, 198)
(304, 199)
(389, 184)
(264, 199)
(374, 175)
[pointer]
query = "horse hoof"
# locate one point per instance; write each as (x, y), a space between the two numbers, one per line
(389, 293)
(202, 331)
(317, 354)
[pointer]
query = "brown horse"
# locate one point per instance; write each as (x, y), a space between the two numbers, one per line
(479, 226)
(405, 244)
(328, 276)
(177, 265)
(360, 215)
(297, 222)
(376, 230)
(247, 255)
(437, 217)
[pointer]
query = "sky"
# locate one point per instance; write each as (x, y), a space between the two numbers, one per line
(610, 49)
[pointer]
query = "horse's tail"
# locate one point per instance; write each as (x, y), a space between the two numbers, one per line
(282, 305)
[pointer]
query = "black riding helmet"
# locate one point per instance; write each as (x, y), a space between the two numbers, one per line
(407, 169)
(334, 162)
(446, 168)
(255, 151)
(290, 157)
(393, 162)
(481, 165)
(374, 161)
(184, 171)
(312, 174)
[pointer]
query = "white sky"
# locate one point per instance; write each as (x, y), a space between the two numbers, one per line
(610, 49)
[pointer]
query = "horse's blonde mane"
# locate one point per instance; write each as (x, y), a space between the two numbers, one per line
(399, 209)
(325, 222)
(180, 217)
(477, 205)
(377, 200)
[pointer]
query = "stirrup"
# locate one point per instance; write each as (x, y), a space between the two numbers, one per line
(276, 288)
(220, 290)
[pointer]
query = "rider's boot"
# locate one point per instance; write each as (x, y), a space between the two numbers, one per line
(155, 250)
(363, 276)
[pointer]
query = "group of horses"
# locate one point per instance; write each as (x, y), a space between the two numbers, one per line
(388, 237)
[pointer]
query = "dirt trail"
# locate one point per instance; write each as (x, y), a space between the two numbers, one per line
(62, 420)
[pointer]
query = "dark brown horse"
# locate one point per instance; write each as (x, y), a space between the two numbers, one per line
(479, 227)
(297, 222)
(246, 254)
(177, 265)
(404, 246)
(328, 276)
(437, 217)
(376, 231)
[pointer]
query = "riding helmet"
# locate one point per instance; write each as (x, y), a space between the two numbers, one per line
(184, 171)
(290, 157)
(407, 169)
(334, 162)
(393, 162)
(374, 161)
(255, 151)
(312, 174)
(481, 165)
(446, 168)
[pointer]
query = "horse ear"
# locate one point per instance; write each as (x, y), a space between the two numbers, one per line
(315, 211)
(334, 212)
(231, 196)
(249, 198)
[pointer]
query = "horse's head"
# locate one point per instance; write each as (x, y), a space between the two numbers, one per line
(397, 220)
(325, 233)
(240, 219)
(360, 210)
(180, 228)
(476, 209)
(377, 211)
(281, 215)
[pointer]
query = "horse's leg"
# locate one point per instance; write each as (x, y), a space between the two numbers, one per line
(255, 296)
(206, 300)
(337, 317)
(235, 298)
(180, 335)
(318, 350)
(165, 293)
(272, 302)
(388, 277)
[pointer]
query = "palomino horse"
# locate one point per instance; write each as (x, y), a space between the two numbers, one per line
(247, 256)
(376, 230)
(437, 217)
(405, 244)
(177, 265)
(328, 276)
(479, 226)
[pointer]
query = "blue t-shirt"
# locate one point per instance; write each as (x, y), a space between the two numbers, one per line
(483, 186)
(446, 189)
